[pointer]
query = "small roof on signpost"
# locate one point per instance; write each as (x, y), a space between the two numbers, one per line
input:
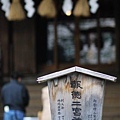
(76, 69)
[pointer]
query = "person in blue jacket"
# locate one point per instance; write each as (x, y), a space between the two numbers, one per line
(15, 98)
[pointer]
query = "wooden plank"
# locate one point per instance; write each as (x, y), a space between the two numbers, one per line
(96, 74)
(77, 69)
(77, 41)
(76, 96)
(111, 118)
(111, 111)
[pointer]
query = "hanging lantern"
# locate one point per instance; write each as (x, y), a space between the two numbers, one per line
(81, 8)
(16, 11)
(47, 9)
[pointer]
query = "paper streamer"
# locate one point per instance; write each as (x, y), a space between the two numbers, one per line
(94, 6)
(5, 6)
(29, 7)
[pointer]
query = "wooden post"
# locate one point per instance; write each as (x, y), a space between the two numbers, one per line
(55, 44)
(76, 93)
(11, 48)
(77, 41)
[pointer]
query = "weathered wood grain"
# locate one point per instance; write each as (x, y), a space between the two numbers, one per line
(76, 97)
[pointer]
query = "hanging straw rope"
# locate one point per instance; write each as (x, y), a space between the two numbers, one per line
(47, 9)
(16, 11)
(81, 8)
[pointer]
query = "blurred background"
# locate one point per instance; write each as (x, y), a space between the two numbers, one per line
(38, 37)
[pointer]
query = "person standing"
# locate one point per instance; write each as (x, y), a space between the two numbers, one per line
(15, 98)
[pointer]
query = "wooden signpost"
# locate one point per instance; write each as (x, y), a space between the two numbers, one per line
(76, 93)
